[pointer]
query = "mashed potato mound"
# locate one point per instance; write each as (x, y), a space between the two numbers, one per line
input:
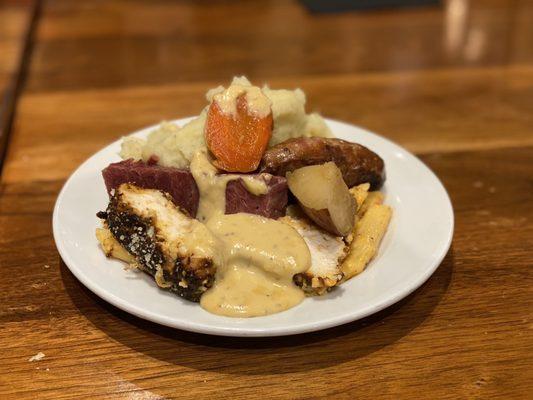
(172, 145)
(175, 146)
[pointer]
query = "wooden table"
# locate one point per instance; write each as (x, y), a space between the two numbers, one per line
(452, 84)
(17, 19)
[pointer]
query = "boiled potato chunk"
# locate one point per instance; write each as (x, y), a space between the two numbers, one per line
(324, 197)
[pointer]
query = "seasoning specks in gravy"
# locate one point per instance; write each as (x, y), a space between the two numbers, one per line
(212, 186)
(259, 105)
(260, 256)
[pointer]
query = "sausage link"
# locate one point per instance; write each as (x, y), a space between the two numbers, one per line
(357, 163)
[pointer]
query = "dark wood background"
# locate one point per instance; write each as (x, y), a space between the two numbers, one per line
(453, 84)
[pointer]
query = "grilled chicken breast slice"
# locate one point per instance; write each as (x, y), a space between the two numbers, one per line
(178, 251)
(327, 253)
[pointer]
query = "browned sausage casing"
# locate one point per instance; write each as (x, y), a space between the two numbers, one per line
(357, 163)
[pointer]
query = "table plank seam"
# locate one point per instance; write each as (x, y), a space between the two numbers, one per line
(9, 103)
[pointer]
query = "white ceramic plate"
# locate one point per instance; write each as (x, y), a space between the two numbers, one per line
(418, 238)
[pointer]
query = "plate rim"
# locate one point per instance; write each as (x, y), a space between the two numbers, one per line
(235, 331)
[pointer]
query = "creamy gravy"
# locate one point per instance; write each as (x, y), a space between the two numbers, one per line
(259, 105)
(257, 257)
(212, 186)
(260, 257)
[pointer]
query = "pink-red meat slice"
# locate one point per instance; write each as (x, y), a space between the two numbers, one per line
(181, 186)
(178, 183)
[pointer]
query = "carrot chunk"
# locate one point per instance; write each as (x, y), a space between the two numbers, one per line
(237, 140)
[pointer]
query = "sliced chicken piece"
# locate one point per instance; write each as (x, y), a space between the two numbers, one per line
(327, 253)
(112, 248)
(178, 251)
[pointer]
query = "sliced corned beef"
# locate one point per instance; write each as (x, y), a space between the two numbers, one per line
(271, 204)
(179, 183)
(181, 186)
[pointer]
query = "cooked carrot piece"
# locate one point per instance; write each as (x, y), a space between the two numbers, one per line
(237, 140)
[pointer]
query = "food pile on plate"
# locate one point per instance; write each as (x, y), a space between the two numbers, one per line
(249, 207)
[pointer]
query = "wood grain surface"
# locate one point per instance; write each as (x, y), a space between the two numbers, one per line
(454, 84)
(16, 21)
